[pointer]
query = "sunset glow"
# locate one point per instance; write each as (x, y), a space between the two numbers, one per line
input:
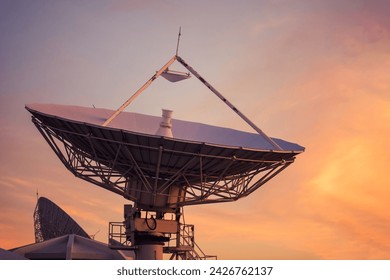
(316, 73)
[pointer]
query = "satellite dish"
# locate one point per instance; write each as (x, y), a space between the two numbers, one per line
(50, 221)
(186, 163)
(156, 172)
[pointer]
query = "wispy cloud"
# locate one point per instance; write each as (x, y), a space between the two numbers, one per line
(312, 72)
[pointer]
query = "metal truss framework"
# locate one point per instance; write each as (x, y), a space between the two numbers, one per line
(51, 221)
(196, 187)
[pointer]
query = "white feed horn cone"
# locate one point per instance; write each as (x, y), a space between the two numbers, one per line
(165, 128)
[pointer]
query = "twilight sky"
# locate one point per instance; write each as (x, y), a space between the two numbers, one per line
(312, 72)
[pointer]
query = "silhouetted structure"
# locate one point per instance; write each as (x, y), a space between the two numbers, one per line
(50, 221)
(68, 247)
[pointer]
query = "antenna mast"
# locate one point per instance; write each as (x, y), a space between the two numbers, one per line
(178, 41)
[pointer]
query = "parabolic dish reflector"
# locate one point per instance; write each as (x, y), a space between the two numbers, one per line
(50, 221)
(201, 164)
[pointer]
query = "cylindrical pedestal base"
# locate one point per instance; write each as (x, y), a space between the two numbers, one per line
(149, 252)
(149, 245)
